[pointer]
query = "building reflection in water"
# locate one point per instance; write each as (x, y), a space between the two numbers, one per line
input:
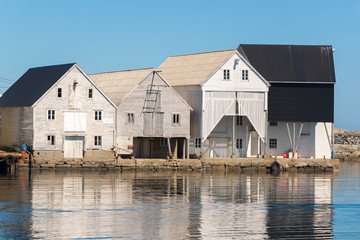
(167, 205)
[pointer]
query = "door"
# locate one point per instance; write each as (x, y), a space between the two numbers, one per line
(148, 124)
(219, 147)
(74, 147)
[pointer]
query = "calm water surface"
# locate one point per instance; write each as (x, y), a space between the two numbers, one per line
(59, 204)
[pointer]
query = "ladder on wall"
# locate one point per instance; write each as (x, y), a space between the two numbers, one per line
(151, 97)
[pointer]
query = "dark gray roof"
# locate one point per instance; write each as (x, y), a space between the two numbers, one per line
(291, 63)
(32, 85)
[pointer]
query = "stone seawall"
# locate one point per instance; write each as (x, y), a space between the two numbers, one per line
(347, 145)
(229, 164)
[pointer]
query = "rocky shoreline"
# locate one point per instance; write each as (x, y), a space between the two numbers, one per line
(347, 145)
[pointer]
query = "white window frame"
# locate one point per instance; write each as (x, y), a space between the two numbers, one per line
(163, 142)
(130, 118)
(197, 142)
(98, 115)
(50, 140)
(59, 91)
(88, 93)
(239, 143)
(97, 141)
(273, 143)
(245, 75)
(273, 123)
(175, 119)
(239, 120)
(226, 74)
(51, 115)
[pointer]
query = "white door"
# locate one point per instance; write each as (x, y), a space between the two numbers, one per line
(219, 147)
(74, 147)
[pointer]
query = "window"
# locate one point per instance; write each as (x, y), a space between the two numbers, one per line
(51, 115)
(239, 120)
(90, 93)
(59, 92)
(176, 119)
(272, 143)
(98, 115)
(163, 142)
(245, 75)
(226, 74)
(51, 140)
(273, 123)
(97, 141)
(197, 142)
(130, 118)
(239, 143)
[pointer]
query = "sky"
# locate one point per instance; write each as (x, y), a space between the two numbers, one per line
(110, 35)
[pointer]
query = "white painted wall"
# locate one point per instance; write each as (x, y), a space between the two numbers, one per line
(71, 101)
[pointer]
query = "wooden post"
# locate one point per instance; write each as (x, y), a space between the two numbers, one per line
(233, 137)
(183, 156)
(188, 148)
(169, 147)
(176, 149)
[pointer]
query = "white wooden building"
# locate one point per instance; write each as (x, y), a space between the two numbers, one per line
(229, 98)
(153, 121)
(60, 112)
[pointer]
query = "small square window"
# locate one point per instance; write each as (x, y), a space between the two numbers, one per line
(245, 75)
(272, 143)
(51, 115)
(130, 118)
(163, 142)
(90, 93)
(239, 120)
(226, 74)
(51, 140)
(98, 115)
(273, 123)
(176, 119)
(97, 141)
(197, 142)
(239, 143)
(59, 92)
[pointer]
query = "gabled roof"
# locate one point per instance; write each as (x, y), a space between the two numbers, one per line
(193, 69)
(32, 85)
(291, 63)
(116, 85)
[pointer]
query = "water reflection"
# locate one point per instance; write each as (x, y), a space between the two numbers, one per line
(165, 205)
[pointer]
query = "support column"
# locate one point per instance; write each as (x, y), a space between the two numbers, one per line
(176, 149)
(183, 148)
(188, 149)
(233, 137)
(169, 147)
(332, 141)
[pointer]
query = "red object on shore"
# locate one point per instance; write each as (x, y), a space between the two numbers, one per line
(285, 155)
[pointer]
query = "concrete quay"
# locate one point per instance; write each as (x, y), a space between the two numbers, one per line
(263, 165)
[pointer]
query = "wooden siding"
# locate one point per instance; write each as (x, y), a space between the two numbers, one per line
(74, 98)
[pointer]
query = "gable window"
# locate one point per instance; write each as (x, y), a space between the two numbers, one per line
(239, 143)
(90, 93)
(163, 142)
(59, 92)
(226, 74)
(239, 120)
(51, 140)
(273, 123)
(97, 141)
(272, 143)
(51, 115)
(98, 115)
(176, 119)
(130, 118)
(197, 142)
(245, 75)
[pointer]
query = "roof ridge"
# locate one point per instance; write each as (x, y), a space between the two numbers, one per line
(300, 45)
(127, 70)
(203, 53)
(56, 65)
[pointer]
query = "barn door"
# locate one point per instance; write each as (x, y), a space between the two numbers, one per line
(148, 123)
(74, 147)
(159, 123)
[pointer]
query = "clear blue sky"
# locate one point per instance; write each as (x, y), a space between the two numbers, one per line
(109, 35)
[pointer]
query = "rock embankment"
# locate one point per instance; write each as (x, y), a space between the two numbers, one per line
(347, 145)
